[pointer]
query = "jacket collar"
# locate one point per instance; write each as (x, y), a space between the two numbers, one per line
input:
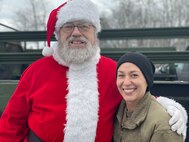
(138, 115)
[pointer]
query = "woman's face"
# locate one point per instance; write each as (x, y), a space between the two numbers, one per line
(131, 82)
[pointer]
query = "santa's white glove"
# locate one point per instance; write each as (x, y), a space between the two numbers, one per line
(178, 114)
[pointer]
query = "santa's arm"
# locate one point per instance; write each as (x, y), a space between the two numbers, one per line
(178, 114)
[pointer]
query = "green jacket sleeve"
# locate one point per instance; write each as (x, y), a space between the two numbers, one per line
(166, 136)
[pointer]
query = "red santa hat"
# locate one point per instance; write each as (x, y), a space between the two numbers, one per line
(71, 10)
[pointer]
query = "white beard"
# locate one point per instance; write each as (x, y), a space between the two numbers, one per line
(77, 55)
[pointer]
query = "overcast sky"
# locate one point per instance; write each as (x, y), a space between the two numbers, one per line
(8, 7)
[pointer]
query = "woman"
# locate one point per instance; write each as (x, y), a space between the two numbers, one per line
(140, 118)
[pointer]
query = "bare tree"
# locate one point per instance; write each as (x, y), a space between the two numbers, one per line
(0, 4)
(147, 14)
(32, 17)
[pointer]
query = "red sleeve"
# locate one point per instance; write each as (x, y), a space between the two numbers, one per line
(14, 120)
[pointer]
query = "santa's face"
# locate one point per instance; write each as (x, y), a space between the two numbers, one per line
(77, 42)
(77, 29)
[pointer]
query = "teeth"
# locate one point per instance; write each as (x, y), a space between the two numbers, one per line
(77, 42)
(128, 90)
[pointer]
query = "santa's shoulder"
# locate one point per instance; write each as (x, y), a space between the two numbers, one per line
(107, 60)
(44, 61)
(106, 64)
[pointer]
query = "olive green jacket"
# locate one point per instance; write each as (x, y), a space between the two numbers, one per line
(148, 123)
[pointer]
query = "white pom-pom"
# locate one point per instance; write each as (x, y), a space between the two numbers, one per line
(47, 51)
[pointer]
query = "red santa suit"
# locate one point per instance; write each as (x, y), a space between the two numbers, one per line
(61, 102)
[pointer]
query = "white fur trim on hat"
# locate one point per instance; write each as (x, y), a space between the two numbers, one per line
(47, 51)
(78, 10)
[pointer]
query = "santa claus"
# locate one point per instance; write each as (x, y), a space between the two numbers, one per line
(70, 94)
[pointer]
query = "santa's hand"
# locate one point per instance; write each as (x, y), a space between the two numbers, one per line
(177, 122)
(178, 114)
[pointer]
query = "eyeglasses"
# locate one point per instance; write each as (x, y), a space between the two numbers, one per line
(84, 27)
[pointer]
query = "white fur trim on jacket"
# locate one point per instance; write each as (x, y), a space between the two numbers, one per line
(172, 104)
(165, 102)
(82, 103)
